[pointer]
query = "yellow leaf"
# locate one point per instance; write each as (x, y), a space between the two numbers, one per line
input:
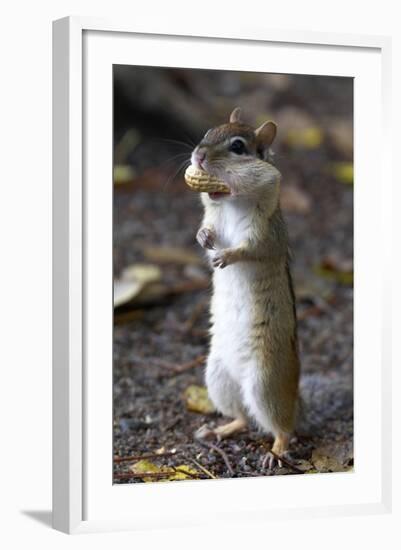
(183, 473)
(305, 138)
(197, 399)
(147, 467)
(343, 172)
(123, 173)
(342, 277)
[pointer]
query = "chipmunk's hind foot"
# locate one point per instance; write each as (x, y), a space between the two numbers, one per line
(221, 432)
(279, 449)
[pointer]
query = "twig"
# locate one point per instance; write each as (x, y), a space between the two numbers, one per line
(196, 313)
(142, 475)
(132, 458)
(187, 366)
(201, 467)
(286, 462)
(221, 453)
(181, 471)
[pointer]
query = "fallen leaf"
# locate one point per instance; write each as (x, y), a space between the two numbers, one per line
(336, 457)
(197, 400)
(304, 465)
(294, 199)
(123, 173)
(147, 467)
(343, 172)
(144, 273)
(183, 472)
(342, 451)
(133, 281)
(178, 472)
(305, 138)
(324, 463)
(338, 263)
(337, 269)
(125, 291)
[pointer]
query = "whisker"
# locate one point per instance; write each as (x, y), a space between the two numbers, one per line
(178, 142)
(189, 139)
(183, 165)
(170, 159)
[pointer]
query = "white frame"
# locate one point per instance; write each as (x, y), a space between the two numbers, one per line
(68, 259)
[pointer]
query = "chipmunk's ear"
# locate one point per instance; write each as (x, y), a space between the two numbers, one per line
(235, 115)
(266, 133)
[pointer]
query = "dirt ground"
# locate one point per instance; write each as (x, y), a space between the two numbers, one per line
(161, 339)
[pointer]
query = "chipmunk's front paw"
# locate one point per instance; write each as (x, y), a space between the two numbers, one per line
(206, 238)
(223, 258)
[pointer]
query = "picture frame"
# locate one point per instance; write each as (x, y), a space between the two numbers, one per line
(84, 50)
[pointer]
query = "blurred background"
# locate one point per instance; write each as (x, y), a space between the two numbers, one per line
(162, 283)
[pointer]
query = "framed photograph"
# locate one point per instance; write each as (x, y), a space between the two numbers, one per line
(217, 196)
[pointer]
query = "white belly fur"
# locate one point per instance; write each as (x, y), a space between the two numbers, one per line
(232, 303)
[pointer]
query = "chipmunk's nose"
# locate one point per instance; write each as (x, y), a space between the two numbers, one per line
(200, 155)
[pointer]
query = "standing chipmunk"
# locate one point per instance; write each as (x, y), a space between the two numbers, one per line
(252, 370)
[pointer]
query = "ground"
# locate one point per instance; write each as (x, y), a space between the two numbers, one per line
(161, 338)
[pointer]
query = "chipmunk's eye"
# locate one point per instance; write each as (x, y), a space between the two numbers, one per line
(237, 146)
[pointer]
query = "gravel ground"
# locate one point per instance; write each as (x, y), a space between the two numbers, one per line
(159, 345)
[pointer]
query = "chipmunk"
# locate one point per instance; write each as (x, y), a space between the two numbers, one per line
(252, 370)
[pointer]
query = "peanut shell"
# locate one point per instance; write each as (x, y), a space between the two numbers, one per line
(200, 181)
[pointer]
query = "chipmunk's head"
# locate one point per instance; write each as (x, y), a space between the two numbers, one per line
(240, 156)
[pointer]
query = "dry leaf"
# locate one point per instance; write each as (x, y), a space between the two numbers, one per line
(147, 467)
(184, 472)
(125, 291)
(294, 199)
(171, 254)
(337, 269)
(325, 463)
(197, 400)
(305, 138)
(133, 281)
(342, 451)
(338, 263)
(343, 172)
(144, 273)
(335, 457)
(337, 276)
(304, 465)
(123, 173)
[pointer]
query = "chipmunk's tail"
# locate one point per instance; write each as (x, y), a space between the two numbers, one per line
(320, 401)
(303, 425)
(308, 421)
